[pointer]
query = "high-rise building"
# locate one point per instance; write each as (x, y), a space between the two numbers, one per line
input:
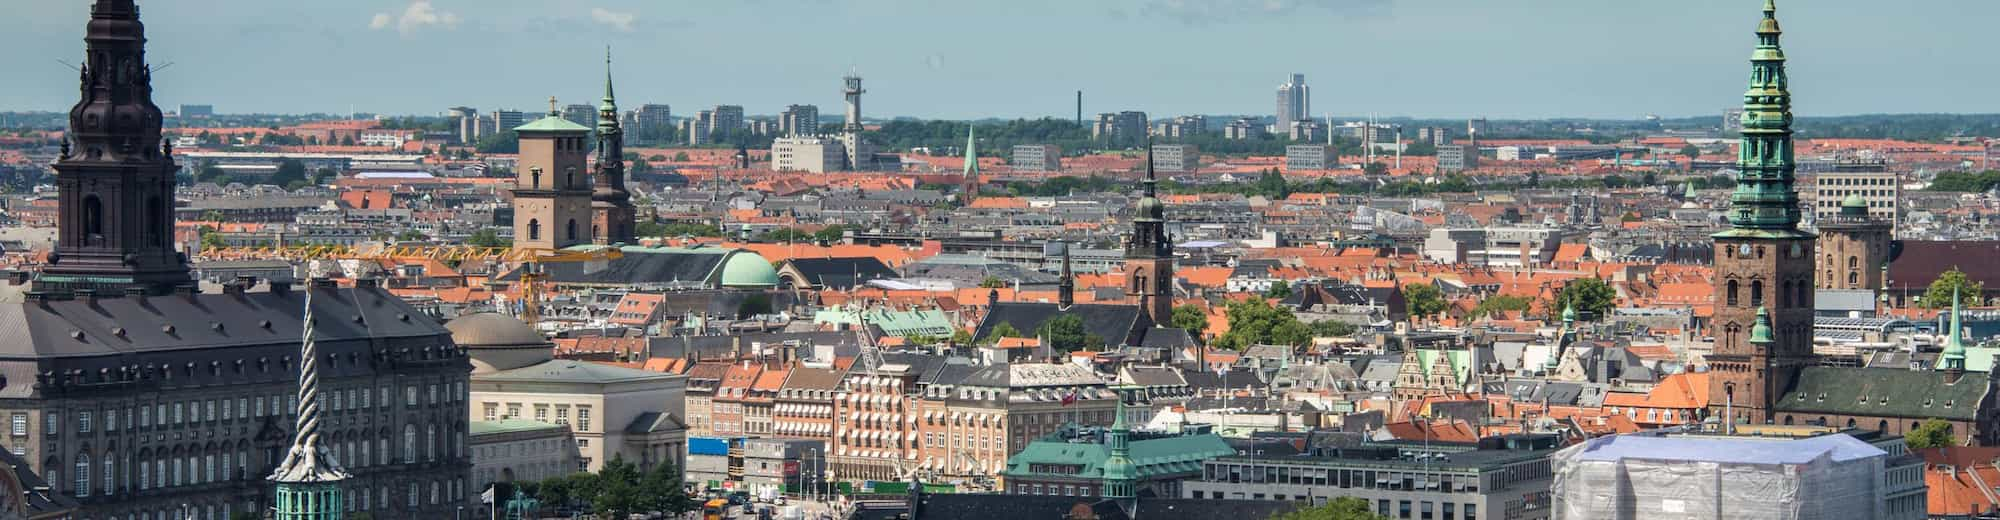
(465, 121)
(581, 114)
(696, 128)
(853, 91)
(197, 111)
(1241, 129)
(139, 395)
(799, 121)
(1175, 158)
(1293, 102)
(1128, 127)
(1763, 264)
(808, 154)
(1310, 157)
(650, 123)
(1308, 131)
(725, 122)
(506, 120)
(611, 213)
(1037, 158)
(1457, 157)
(552, 191)
(1880, 190)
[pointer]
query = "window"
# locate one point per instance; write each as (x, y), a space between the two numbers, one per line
(492, 411)
(110, 473)
(1732, 292)
(430, 442)
(145, 475)
(541, 413)
(535, 225)
(410, 395)
(409, 443)
(513, 410)
(1756, 293)
(226, 474)
(82, 475)
(83, 422)
(582, 418)
(180, 412)
(210, 416)
(562, 415)
(52, 423)
(260, 406)
(413, 495)
(433, 390)
(20, 424)
(111, 420)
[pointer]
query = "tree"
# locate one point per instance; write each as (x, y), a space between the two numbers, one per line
(1592, 296)
(1332, 329)
(1191, 318)
(663, 486)
(1691, 151)
(411, 235)
(1279, 290)
(1375, 168)
(618, 493)
(487, 237)
(992, 282)
(961, 337)
(1423, 300)
(1066, 334)
(1343, 508)
(1932, 433)
(1256, 322)
(680, 157)
(210, 173)
(1938, 296)
(830, 233)
(1003, 330)
(1272, 185)
(561, 491)
(1501, 303)
(498, 142)
(210, 239)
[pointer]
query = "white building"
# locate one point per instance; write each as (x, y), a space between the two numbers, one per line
(1505, 246)
(808, 154)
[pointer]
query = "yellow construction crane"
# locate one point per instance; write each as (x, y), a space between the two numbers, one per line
(531, 260)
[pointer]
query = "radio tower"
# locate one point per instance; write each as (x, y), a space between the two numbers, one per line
(853, 92)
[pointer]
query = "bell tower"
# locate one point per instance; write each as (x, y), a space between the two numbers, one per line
(1763, 263)
(1149, 255)
(115, 175)
(552, 193)
(611, 214)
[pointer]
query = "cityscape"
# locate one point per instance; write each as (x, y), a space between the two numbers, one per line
(1317, 308)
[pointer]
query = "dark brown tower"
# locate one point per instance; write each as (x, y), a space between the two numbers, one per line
(1763, 263)
(115, 179)
(1853, 247)
(1149, 256)
(611, 213)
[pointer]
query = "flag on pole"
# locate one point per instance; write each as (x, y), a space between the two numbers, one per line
(486, 497)
(1069, 398)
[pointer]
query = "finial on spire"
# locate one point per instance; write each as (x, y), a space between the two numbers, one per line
(608, 97)
(552, 107)
(307, 462)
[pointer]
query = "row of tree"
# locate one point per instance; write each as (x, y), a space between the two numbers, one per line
(618, 490)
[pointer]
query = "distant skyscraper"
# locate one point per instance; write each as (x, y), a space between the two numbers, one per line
(466, 122)
(581, 114)
(1128, 127)
(650, 123)
(1294, 102)
(799, 120)
(197, 111)
(727, 121)
(506, 120)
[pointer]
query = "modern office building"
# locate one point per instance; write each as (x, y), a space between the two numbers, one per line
(581, 114)
(1500, 477)
(808, 154)
(197, 111)
(465, 124)
(1311, 157)
(1493, 246)
(1240, 129)
(1176, 158)
(1294, 99)
(1306, 131)
(506, 120)
(1457, 157)
(799, 121)
(650, 123)
(1879, 190)
(1037, 158)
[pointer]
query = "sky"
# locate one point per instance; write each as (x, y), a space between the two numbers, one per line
(957, 59)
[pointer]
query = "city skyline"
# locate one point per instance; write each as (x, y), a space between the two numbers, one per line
(1380, 56)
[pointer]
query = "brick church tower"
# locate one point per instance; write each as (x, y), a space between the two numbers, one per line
(1763, 263)
(1149, 255)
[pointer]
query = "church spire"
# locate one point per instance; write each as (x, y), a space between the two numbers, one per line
(308, 479)
(971, 153)
(1765, 203)
(1954, 342)
(1066, 286)
(612, 215)
(1119, 475)
(610, 101)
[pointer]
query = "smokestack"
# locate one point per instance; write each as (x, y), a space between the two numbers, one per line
(1079, 107)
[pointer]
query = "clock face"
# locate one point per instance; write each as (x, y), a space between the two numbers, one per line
(1797, 250)
(1743, 250)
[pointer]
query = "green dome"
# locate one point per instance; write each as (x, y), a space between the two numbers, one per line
(1150, 207)
(1854, 205)
(747, 270)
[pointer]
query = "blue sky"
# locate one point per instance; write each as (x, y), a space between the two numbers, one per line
(1026, 58)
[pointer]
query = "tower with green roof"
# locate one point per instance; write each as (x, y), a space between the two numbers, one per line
(970, 187)
(1764, 262)
(1563, 339)
(1953, 358)
(1120, 477)
(309, 479)
(612, 216)
(552, 190)
(1149, 254)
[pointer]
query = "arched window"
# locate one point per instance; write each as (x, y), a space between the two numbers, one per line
(569, 179)
(1785, 294)
(93, 216)
(110, 473)
(534, 229)
(145, 475)
(1756, 293)
(1853, 262)
(82, 475)
(409, 443)
(430, 442)
(1853, 279)
(1732, 292)
(571, 230)
(537, 177)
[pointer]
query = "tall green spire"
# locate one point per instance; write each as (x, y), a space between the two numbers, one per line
(971, 153)
(308, 479)
(1120, 478)
(1954, 345)
(1562, 338)
(607, 108)
(1765, 204)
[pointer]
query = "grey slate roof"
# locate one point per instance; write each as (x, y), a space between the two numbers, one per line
(1881, 392)
(1117, 324)
(571, 371)
(841, 273)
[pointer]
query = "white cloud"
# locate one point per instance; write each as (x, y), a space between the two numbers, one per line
(418, 16)
(616, 20)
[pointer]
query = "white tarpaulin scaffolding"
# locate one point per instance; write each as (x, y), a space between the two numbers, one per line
(1654, 477)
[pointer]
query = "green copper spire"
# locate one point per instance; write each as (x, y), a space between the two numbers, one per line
(607, 108)
(1760, 334)
(308, 479)
(1119, 475)
(971, 153)
(1954, 345)
(1765, 204)
(1689, 194)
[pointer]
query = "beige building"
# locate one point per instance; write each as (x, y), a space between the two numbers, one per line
(1880, 190)
(514, 450)
(552, 186)
(808, 154)
(612, 411)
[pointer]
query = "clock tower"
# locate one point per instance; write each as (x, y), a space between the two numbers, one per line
(1149, 255)
(1763, 263)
